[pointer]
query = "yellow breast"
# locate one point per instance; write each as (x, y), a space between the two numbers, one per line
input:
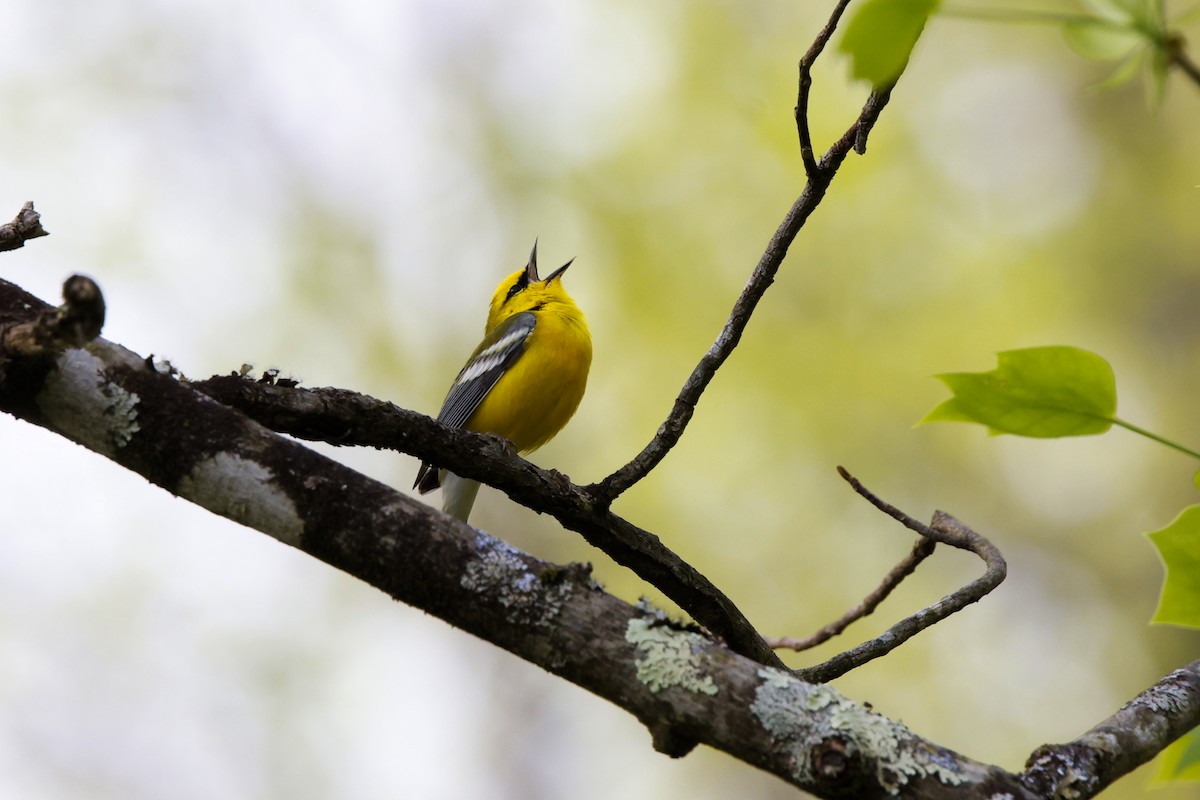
(539, 393)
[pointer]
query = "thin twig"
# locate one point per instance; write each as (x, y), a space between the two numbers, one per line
(921, 550)
(1180, 59)
(944, 529)
(805, 84)
(820, 174)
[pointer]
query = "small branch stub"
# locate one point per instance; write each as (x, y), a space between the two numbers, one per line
(25, 226)
(73, 324)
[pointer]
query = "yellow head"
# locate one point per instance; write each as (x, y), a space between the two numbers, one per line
(525, 291)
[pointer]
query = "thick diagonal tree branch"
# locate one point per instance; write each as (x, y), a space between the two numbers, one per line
(341, 417)
(685, 687)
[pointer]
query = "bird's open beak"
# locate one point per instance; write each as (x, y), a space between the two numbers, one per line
(531, 272)
(558, 272)
(531, 268)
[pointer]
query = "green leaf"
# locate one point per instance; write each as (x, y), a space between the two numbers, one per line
(1099, 40)
(1156, 76)
(1125, 71)
(1133, 33)
(1180, 761)
(1178, 546)
(1046, 392)
(881, 35)
(1116, 10)
(1155, 15)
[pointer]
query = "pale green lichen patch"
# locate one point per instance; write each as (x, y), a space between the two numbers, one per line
(503, 573)
(781, 706)
(122, 411)
(245, 492)
(898, 755)
(785, 706)
(83, 404)
(822, 695)
(670, 657)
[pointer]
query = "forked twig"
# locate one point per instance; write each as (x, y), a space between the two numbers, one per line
(943, 529)
(805, 84)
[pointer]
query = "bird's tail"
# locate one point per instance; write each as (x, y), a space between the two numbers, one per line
(458, 495)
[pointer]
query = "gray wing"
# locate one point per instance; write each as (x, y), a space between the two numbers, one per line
(494, 355)
(498, 350)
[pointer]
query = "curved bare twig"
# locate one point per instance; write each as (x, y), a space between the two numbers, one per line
(944, 529)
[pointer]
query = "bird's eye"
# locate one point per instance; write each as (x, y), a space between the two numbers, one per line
(521, 283)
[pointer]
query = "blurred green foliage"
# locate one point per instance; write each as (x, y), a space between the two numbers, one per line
(1181, 761)
(341, 203)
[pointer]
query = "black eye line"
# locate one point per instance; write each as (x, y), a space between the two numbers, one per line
(521, 283)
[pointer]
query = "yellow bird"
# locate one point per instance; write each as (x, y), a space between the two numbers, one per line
(524, 380)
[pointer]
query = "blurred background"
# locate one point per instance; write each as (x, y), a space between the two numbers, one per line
(334, 190)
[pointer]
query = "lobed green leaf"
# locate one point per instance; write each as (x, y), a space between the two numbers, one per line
(1044, 392)
(1178, 546)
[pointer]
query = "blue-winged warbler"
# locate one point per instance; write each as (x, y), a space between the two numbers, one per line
(524, 380)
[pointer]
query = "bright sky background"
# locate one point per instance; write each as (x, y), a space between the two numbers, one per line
(334, 188)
